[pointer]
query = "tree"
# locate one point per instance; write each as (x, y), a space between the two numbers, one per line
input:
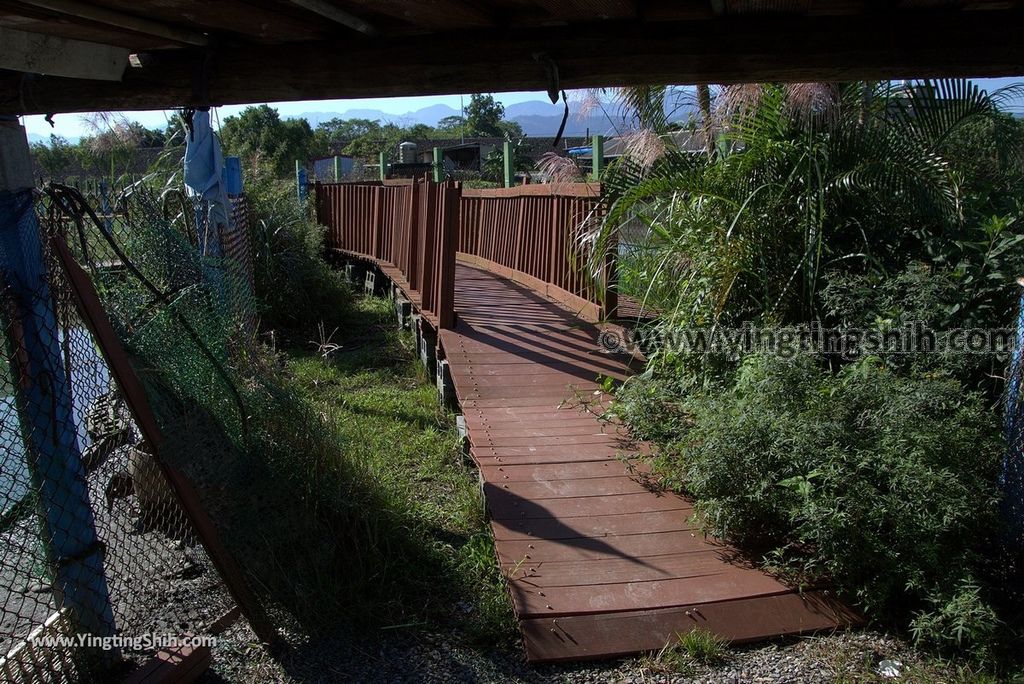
(259, 134)
(339, 132)
(419, 131)
(484, 116)
(379, 139)
(494, 164)
(704, 104)
(55, 158)
(452, 124)
(813, 181)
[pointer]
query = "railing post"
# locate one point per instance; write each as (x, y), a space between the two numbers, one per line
(450, 220)
(428, 236)
(506, 152)
(382, 162)
(438, 165)
(597, 157)
(337, 169)
(43, 394)
(414, 222)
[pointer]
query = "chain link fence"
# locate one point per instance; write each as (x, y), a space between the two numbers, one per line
(95, 538)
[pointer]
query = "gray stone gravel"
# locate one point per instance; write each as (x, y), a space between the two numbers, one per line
(443, 658)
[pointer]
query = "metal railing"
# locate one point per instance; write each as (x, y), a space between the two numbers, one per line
(533, 234)
(407, 227)
(537, 235)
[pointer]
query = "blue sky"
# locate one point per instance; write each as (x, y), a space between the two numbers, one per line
(72, 125)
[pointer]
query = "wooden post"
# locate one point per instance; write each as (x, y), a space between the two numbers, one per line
(597, 157)
(506, 151)
(452, 203)
(45, 409)
(438, 165)
(382, 162)
(415, 197)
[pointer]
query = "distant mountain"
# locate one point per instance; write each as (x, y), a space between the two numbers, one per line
(534, 108)
(428, 115)
(431, 115)
(537, 117)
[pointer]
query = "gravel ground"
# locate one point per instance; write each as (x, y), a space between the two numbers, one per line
(438, 657)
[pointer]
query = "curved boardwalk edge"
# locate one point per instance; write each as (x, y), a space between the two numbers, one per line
(598, 565)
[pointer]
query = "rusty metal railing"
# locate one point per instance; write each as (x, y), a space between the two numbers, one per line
(407, 227)
(533, 234)
(537, 235)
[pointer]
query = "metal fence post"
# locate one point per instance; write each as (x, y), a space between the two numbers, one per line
(383, 163)
(337, 169)
(45, 408)
(597, 157)
(438, 165)
(301, 180)
(506, 153)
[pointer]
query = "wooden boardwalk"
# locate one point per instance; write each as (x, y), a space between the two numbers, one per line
(598, 565)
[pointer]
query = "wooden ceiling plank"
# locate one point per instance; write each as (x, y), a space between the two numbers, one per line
(39, 54)
(102, 15)
(337, 15)
(728, 50)
(432, 14)
(588, 10)
(226, 21)
(32, 20)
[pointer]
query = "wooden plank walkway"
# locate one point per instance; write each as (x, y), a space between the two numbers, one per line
(598, 565)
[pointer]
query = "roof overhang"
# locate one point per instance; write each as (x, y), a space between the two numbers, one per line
(910, 39)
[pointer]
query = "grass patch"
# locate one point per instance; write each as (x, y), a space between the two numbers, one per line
(690, 651)
(703, 646)
(417, 551)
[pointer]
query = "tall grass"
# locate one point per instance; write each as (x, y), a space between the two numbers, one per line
(398, 516)
(295, 287)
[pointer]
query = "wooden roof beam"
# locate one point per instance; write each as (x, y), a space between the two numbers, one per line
(102, 15)
(576, 10)
(39, 54)
(337, 15)
(437, 14)
(728, 50)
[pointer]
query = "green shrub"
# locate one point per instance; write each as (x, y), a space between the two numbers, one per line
(961, 620)
(881, 484)
(296, 288)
